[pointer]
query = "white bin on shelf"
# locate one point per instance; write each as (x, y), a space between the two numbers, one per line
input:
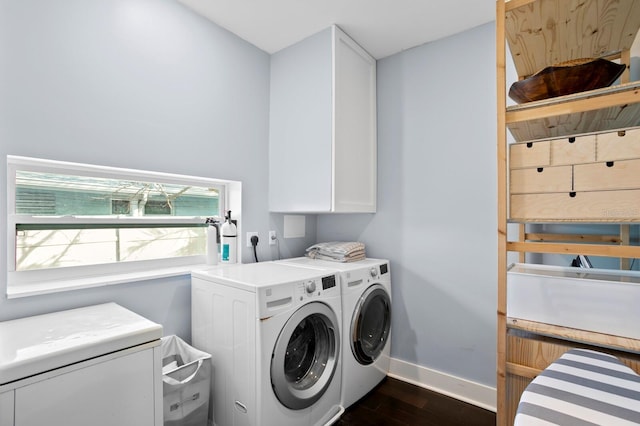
(600, 300)
(186, 381)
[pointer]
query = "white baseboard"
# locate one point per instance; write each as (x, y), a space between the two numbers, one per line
(464, 390)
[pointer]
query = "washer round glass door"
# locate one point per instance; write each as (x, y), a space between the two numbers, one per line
(370, 324)
(305, 356)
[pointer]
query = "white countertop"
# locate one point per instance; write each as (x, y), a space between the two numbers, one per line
(41, 343)
(250, 276)
(335, 266)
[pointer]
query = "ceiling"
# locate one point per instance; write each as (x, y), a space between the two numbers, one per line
(382, 27)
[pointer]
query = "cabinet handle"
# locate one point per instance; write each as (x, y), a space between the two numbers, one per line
(572, 139)
(609, 163)
(529, 144)
(540, 169)
(572, 194)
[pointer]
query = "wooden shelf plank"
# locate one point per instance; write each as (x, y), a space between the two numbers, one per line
(547, 32)
(586, 238)
(522, 370)
(514, 4)
(583, 336)
(614, 221)
(575, 249)
(599, 110)
(618, 95)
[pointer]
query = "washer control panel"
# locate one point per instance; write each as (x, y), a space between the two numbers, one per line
(282, 297)
(326, 285)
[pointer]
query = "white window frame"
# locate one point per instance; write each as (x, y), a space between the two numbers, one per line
(33, 282)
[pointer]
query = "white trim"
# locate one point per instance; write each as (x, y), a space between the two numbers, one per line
(93, 170)
(334, 41)
(57, 286)
(98, 220)
(97, 273)
(464, 390)
(44, 281)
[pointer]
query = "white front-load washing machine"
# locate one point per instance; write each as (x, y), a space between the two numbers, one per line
(274, 333)
(366, 325)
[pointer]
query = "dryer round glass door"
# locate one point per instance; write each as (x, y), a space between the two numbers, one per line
(305, 356)
(371, 324)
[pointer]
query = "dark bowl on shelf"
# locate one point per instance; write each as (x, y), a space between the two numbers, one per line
(565, 79)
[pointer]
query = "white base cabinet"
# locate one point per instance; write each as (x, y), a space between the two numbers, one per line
(322, 141)
(6, 408)
(99, 366)
(118, 391)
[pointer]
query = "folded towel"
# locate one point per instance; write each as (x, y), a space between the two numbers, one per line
(337, 251)
(333, 259)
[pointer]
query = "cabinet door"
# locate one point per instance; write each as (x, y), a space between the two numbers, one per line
(355, 140)
(6, 408)
(300, 127)
(115, 392)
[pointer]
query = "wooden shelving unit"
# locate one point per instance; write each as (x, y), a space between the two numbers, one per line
(537, 34)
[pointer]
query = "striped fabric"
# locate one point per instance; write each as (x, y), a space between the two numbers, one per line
(582, 387)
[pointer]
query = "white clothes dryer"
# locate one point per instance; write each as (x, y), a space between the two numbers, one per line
(274, 333)
(366, 324)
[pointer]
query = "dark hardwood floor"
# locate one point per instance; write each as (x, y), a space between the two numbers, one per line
(395, 402)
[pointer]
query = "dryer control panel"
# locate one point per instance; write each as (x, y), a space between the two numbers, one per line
(384, 269)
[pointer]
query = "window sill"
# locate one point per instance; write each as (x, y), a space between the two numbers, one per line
(57, 286)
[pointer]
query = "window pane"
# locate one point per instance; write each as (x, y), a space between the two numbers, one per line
(68, 247)
(52, 194)
(39, 249)
(157, 243)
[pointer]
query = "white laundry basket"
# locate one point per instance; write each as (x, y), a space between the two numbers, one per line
(186, 383)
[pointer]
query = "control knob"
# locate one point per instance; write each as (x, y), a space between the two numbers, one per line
(373, 272)
(310, 287)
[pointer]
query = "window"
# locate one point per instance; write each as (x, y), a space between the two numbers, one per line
(68, 221)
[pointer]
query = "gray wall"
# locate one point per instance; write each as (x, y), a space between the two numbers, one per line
(436, 218)
(143, 84)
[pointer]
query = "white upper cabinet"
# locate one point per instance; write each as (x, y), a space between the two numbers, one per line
(322, 141)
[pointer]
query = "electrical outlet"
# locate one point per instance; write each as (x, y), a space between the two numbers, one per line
(272, 238)
(249, 235)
